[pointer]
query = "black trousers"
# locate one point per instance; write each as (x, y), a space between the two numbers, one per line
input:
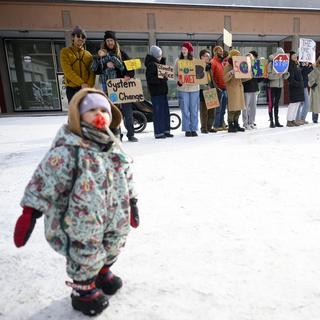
(128, 118)
(70, 91)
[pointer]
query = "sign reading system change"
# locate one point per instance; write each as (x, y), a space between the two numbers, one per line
(120, 91)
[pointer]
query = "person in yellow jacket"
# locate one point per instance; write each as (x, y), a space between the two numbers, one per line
(76, 64)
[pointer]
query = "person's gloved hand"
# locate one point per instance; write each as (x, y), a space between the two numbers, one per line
(24, 225)
(134, 213)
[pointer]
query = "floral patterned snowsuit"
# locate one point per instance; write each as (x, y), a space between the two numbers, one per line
(84, 193)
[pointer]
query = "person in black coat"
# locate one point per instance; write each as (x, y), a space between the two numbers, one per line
(158, 89)
(306, 68)
(112, 47)
(296, 90)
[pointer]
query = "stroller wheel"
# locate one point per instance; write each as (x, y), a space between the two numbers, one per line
(175, 121)
(139, 121)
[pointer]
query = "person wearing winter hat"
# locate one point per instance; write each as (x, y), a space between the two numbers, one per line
(235, 92)
(188, 95)
(217, 65)
(296, 90)
(158, 89)
(111, 48)
(274, 89)
(207, 115)
(84, 188)
(76, 64)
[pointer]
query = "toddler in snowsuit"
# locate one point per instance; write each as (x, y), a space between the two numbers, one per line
(84, 189)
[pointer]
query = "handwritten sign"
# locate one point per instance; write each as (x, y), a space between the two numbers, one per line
(132, 64)
(307, 50)
(242, 67)
(260, 68)
(211, 98)
(120, 91)
(227, 38)
(165, 71)
(192, 71)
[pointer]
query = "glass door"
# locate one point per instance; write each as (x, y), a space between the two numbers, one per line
(32, 75)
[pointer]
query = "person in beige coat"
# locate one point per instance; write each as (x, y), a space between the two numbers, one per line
(314, 84)
(235, 92)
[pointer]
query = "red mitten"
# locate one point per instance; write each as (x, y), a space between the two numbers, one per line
(134, 213)
(24, 225)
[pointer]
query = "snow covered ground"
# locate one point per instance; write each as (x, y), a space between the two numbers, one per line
(229, 227)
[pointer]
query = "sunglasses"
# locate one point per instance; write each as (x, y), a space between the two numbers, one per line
(81, 36)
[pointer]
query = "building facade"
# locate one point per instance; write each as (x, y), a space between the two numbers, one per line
(32, 34)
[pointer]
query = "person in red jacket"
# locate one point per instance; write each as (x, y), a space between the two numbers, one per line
(218, 76)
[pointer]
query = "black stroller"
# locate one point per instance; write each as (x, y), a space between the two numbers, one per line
(142, 114)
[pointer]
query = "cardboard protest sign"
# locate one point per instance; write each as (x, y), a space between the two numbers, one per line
(211, 98)
(192, 71)
(227, 38)
(242, 67)
(165, 71)
(132, 64)
(281, 63)
(260, 68)
(120, 91)
(307, 50)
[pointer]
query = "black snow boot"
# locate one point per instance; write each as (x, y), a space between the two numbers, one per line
(271, 120)
(107, 281)
(85, 297)
(231, 127)
(237, 126)
(276, 118)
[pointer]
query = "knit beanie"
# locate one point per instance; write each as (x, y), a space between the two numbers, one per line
(189, 46)
(156, 52)
(110, 35)
(78, 101)
(279, 50)
(94, 100)
(234, 52)
(78, 31)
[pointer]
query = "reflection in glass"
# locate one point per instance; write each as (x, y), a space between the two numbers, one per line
(32, 75)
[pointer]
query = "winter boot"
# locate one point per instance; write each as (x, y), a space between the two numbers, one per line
(276, 117)
(85, 297)
(277, 123)
(107, 281)
(231, 127)
(237, 126)
(271, 120)
(290, 124)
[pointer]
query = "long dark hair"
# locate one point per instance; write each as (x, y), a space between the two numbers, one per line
(189, 56)
(116, 48)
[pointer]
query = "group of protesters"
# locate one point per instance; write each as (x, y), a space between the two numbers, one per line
(236, 96)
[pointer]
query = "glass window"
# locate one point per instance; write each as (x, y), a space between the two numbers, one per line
(32, 75)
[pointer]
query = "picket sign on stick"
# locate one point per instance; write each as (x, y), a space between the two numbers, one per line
(242, 67)
(307, 50)
(192, 71)
(211, 98)
(132, 64)
(165, 71)
(120, 91)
